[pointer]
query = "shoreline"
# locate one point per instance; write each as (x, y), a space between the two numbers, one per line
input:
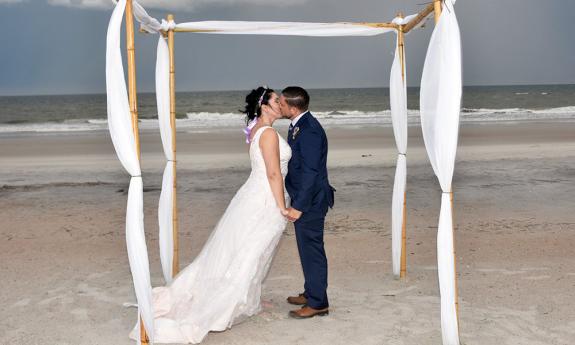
(90, 157)
(151, 125)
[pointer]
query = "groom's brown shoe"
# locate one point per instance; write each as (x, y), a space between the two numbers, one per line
(306, 312)
(297, 300)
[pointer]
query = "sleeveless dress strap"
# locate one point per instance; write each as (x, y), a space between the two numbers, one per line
(259, 133)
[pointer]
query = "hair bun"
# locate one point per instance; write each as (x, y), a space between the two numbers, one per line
(254, 101)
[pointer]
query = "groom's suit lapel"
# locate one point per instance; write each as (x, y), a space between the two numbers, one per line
(299, 126)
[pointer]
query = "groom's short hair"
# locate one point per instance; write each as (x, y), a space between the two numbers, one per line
(297, 97)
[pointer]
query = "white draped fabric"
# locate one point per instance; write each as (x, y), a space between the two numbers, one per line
(120, 126)
(398, 105)
(149, 24)
(165, 206)
(440, 104)
(284, 28)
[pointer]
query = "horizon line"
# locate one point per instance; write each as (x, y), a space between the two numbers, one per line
(235, 90)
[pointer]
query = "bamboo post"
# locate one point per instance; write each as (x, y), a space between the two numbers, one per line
(176, 248)
(403, 265)
(132, 97)
(132, 73)
(454, 260)
(437, 9)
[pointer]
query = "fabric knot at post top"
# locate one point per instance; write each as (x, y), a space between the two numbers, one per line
(399, 21)
(402, 154)
(167, 25)
(404, 20)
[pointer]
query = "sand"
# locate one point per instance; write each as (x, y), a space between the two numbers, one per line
(64, 271)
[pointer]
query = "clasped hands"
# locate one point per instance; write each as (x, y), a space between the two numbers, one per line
(291, 214)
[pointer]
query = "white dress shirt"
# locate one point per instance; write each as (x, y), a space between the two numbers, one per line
(294, 121)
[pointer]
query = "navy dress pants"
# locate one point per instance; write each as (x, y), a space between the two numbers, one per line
(309, 236)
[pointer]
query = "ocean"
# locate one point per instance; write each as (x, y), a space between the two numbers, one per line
(333, 107)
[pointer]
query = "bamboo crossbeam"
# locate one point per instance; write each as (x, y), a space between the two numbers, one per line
(133, 101)
(433, 7)
(176, 246)
(378, 25)
(193, 30)
(420, 16)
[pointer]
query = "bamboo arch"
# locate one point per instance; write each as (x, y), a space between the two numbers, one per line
(401, 29)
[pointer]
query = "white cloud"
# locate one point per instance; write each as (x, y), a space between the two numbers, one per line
(83, 3)
(2, 2)
(171, 4)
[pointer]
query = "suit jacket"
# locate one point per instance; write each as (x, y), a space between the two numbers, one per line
(307, 180)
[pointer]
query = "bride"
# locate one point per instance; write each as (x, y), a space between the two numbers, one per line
(222, 286)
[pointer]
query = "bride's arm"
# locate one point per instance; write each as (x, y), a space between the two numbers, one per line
(269, 144)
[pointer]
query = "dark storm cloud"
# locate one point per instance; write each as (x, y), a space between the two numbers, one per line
(57, 48)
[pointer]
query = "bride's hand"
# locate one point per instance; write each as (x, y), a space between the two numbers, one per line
(285, 212)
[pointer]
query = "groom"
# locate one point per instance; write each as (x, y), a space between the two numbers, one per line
(311, 195)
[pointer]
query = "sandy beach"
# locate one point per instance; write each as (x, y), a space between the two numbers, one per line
(64, 269)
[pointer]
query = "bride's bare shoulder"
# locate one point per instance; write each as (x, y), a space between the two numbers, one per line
(269, 136)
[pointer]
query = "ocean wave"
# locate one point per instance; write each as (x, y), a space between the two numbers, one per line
(200, 121)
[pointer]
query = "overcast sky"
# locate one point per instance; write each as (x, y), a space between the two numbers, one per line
(58, 46)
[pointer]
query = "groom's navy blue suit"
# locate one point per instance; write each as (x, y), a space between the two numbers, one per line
(308, 186)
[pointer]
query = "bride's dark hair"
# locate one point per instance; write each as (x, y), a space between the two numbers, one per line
(254, 101)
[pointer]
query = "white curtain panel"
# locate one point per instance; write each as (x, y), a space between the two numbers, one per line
(440, 105)
(398, 105)
(165, 206)
(120, 126)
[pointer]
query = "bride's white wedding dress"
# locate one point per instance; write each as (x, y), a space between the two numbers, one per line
(222, 286)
